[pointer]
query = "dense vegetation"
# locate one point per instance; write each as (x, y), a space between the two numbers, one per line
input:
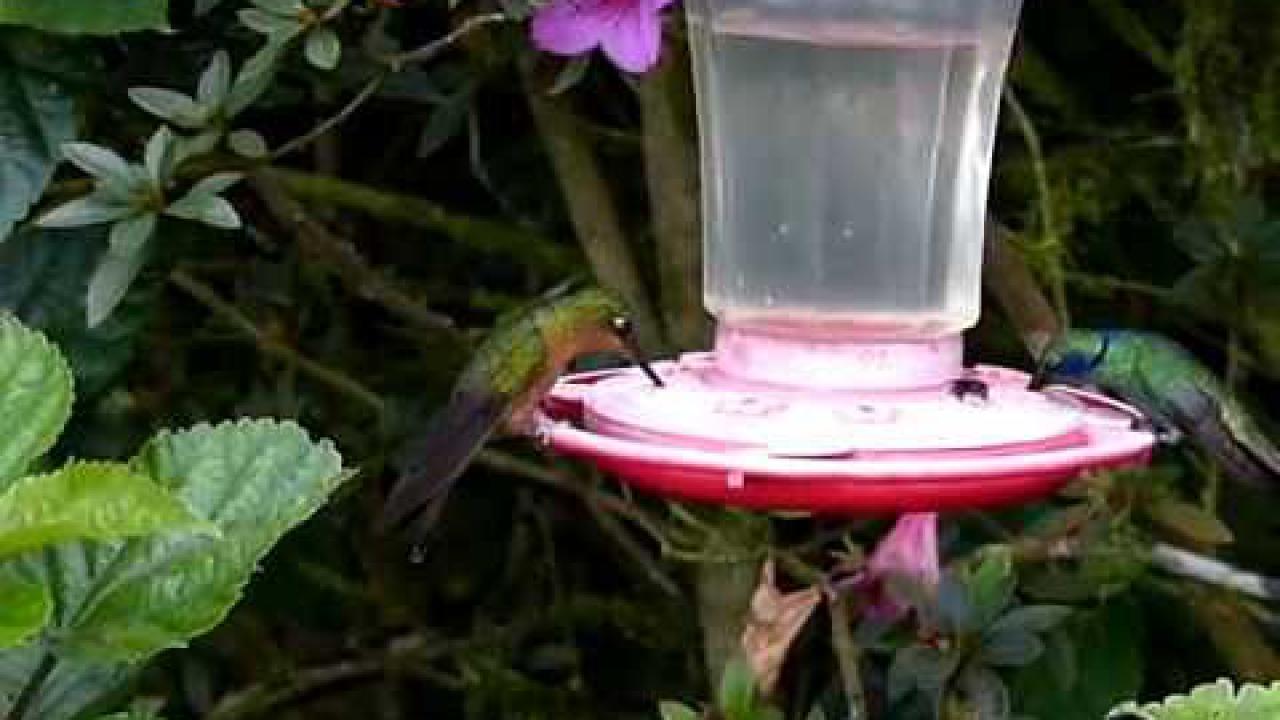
(309, 213)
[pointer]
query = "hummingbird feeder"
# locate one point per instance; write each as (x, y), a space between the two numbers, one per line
(846, 152)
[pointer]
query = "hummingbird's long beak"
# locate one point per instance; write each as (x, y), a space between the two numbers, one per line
(1040, 377)
(637, 356)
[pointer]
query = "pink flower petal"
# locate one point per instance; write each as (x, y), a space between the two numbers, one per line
(570, 27)
(633, 41)
(908, 552)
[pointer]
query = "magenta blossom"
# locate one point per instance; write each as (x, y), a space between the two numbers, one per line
(907, 555)
(628, 31)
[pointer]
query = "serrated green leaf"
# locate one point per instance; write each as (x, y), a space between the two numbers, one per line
(25, 607)
(35, 397)
(97, 207)
(69, 690)
(36, 118)
(323, 48)
(86, 16)
(247, 144)
(255, 480)
(171, 106)
(208, 209)
(130, 236)
(676, 711)
(88, 501)
(215, 81)
(44, 280)
(110, 281)
(1191, 522)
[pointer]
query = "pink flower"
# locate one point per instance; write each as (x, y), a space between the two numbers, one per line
(907, 556)
(628, 31)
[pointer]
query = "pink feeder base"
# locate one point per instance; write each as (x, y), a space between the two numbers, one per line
(708, 437)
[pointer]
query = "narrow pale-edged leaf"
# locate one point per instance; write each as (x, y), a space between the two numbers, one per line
(208, 209)
(194, 146)
(130, 236)
(171, 105)
(216, 184)
(254, 78)
(89, 501)
(570, 75)
(159, 154)
(255, 480)
(288, 8)
(35, 397)
(215, 81)
(676, 711)
(25, 607)
(100, 162)
(110, 281)
(97, 207)
(36, 117)
(277, 26)
(247, 144)
(86, 16)
(323, 48)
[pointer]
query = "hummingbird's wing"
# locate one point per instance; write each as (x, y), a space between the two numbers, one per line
(1201, 415)
(436, 459)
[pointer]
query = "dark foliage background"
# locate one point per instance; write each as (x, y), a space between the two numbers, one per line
(1137, 175)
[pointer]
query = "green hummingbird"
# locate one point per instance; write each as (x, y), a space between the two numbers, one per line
(1178, 394)
(500, 390)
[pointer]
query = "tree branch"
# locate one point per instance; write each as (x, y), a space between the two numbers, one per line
(591, 209)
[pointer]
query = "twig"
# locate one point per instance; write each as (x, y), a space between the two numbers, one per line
(370, 88)
(848, 657)
(591, 209)
(481, 233)
(342, 258)
(1184, 563)
(429, 51)
(1227, 619)
(1006, 275)
(670, 165)
(271, 347)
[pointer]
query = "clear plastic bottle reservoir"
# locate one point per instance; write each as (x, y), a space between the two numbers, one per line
(846, 151)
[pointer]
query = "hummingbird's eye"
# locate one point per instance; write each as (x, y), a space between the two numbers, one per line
(621, 324)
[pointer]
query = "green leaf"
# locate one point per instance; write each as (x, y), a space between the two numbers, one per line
(247, 144)
(71, 688)
(255, 480)
(737, 690)
(280, 28)
(205, 208)
(86, 16)
(1030, 618)
(1011, 648)
(36, 118)
(1108, 667)
(215, 81)
(97, 207)
(44, 280)
(217, 183)
(89, 501)
(25, 607)
(286, 8)
(35, 397)
(1214, 701)
(323, 48)
(676, 711)
(987, 694)
(254, 78)
(110, 281)
(1190, 521)
(990, 582)
(171, 106)
(130, 236)
(100, 162)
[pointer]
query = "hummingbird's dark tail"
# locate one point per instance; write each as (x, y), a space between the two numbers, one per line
(434, 461)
